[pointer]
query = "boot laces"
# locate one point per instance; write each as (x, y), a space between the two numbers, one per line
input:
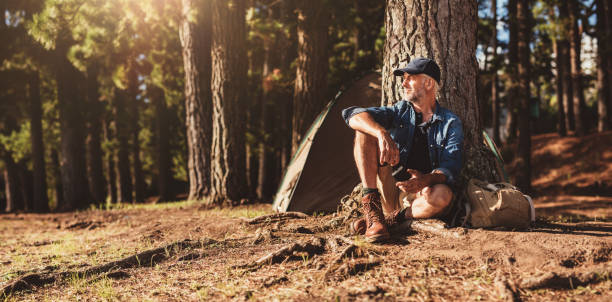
(372, 209)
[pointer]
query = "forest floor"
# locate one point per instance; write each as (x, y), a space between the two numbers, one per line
(183, 252)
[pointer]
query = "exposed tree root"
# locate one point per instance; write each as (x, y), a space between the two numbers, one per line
(506, 290)
(351, 268)
(146, 258)
(275, 217)
(436, 228)
(568, 280)
(312, 247)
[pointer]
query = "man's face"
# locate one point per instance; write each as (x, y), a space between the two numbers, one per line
(415, 87)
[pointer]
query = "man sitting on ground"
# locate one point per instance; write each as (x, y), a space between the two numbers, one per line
(417, 138)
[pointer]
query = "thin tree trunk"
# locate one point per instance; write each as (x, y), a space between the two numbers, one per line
(14, 196)
(494, 67)
(310, 92)
(264, 125)
(162, 139)
(71, 109)
(576, 70)
(134, 104)
(561, 127)
(110, 163)
(523, 176)
(40, 199)
(123, 154)
(195, 33)
(2, 191)
(94, 148)
(58, 190)
(445, 32)
(228, 178)
(603, 77)
(511, 122)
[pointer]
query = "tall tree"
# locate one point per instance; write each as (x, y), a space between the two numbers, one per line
(494, 66)
(604, 91)
(95, 172)
(576, 69)
(310, 91)
(562, 126)
(523, 177)
(162, 142)
(109, 161)
(228, 178)
(124, 176)
(511, 70)
(40, 199)
(134, 104)
(564, 53)
(195, 33)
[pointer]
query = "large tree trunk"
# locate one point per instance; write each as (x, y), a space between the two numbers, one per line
(576, 70)
(162, 140)
(123, 154)
(523, 168)
(40, 199)
(195, 32)
(228, 177)
(110, 163)
(71, 111)
(603, 76)
(561, 128)
(494, 67)
(310, 92)
(94, 148)
(445, 32)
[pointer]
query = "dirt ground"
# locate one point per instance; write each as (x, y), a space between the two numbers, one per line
(189, 253)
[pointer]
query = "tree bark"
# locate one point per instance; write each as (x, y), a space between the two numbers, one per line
(310, 91)
(523, 175)
(228, 178)
(71, 110)
(58, 189)
(123, 154)
(445, 32)
(40, 199)
(195, 33)
(576, 70)
(2, 192)
(94, 149)
(561, 128)
(14, 196)
(162, 140)
(603, 77)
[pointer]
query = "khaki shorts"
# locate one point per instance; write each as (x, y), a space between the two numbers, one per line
(395, 199)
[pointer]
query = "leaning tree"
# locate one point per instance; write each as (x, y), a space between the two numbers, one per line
(446, 32)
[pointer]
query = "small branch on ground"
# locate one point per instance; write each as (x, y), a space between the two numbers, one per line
(275, 217)
(351, 268)
(310, 248)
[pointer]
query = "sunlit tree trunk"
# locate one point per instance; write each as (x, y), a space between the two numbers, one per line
(58, 190)
(196, 33)
(228, 177)
(445, 32)
(309, 96)
(110, 162)
(40, 199)
(523, 167)
(133, 103)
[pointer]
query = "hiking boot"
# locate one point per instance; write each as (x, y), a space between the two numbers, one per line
(396, 222)
(376, 230)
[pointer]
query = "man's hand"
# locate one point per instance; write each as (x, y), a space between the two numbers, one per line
(416, 183)
(389, 153)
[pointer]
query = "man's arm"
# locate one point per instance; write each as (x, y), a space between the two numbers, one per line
(418, 181)
(364, 122)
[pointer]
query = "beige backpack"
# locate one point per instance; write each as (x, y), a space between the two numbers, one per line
(498, 205)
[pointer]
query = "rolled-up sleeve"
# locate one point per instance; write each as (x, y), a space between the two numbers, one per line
(382, 115)
(451, 157)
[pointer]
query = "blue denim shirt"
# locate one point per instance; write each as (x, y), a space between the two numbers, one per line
(444, 137)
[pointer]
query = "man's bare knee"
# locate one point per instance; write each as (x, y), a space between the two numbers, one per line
(439, 196)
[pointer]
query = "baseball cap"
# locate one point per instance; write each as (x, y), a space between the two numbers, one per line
(421, 65)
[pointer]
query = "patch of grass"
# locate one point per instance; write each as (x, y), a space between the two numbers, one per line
(104, 289)
(151, 206)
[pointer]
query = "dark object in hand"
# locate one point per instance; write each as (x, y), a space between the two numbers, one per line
(400, 173)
